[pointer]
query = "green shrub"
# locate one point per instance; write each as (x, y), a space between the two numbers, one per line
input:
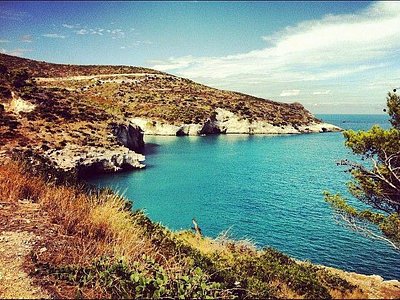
(146, 279)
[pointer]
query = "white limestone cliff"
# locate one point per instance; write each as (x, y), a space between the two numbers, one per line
(227, 122)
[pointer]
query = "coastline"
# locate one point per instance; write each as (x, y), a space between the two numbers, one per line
(226, 122)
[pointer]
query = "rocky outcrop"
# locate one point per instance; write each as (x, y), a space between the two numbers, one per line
(130, 135)
(87, 159)
(17, 105)
(212, 126)
(156, 127)
(226, 122)
(189, 129)
(373, 286)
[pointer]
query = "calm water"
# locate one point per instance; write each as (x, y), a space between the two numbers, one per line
(265, 188)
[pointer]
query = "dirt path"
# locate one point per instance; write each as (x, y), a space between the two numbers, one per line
(88, 77)
(18, 236)
(14, 281)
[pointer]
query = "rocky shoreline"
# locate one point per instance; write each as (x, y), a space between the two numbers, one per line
(85, 160)
(226, 122)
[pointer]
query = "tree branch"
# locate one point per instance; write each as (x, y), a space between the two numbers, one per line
(350, 222)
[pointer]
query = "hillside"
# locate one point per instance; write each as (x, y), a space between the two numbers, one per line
(156, 96)
(84, 117)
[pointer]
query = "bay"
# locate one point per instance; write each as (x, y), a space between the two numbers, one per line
(267, 189)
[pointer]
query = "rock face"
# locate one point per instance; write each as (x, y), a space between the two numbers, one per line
(130, 135)
(88, 159)
(226, 122)
(212, 126)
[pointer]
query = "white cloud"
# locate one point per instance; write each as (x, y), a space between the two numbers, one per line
(96, 31)
(136, 44)
(340, 53)
(82, 31)
(325, 92)
(4, 41)
(289, 93)
(117, 33)
(331, 47)
(15, 52)
(70, 26)
(54, 36)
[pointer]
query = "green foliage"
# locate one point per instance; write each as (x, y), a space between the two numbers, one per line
(393, 104)
(146, 279)
(375, 141)
(376, 182)
(243, 273)
(266, 273)
(248, 273)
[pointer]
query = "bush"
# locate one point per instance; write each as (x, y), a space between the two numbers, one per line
(147, 279)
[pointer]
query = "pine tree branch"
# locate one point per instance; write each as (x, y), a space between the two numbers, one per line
(351, 223)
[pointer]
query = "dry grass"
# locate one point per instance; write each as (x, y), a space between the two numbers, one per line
(224, 244)
(99, 221)
(15, 185)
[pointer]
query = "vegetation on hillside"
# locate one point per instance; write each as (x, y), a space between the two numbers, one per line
(99, 247)
(376, 181)
(44, 69)
(59, 116)
(139, 92)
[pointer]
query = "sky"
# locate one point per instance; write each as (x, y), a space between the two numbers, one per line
(333, 57)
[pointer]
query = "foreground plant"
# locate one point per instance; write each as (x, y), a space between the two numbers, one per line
(376, 181)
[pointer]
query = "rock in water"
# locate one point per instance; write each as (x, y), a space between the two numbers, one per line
(130, 135)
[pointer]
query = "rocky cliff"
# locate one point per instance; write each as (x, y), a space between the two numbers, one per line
(226, 122)
(72, 136)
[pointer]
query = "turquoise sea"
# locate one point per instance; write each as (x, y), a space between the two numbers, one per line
(264, 188)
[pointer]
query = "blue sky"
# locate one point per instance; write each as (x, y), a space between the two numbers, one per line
(334, 57)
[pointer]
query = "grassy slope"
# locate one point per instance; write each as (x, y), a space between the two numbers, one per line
(60, 116)
(100, 248)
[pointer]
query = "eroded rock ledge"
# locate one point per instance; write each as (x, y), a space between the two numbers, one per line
(77, 159)
(226, 122)
(87, 159)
